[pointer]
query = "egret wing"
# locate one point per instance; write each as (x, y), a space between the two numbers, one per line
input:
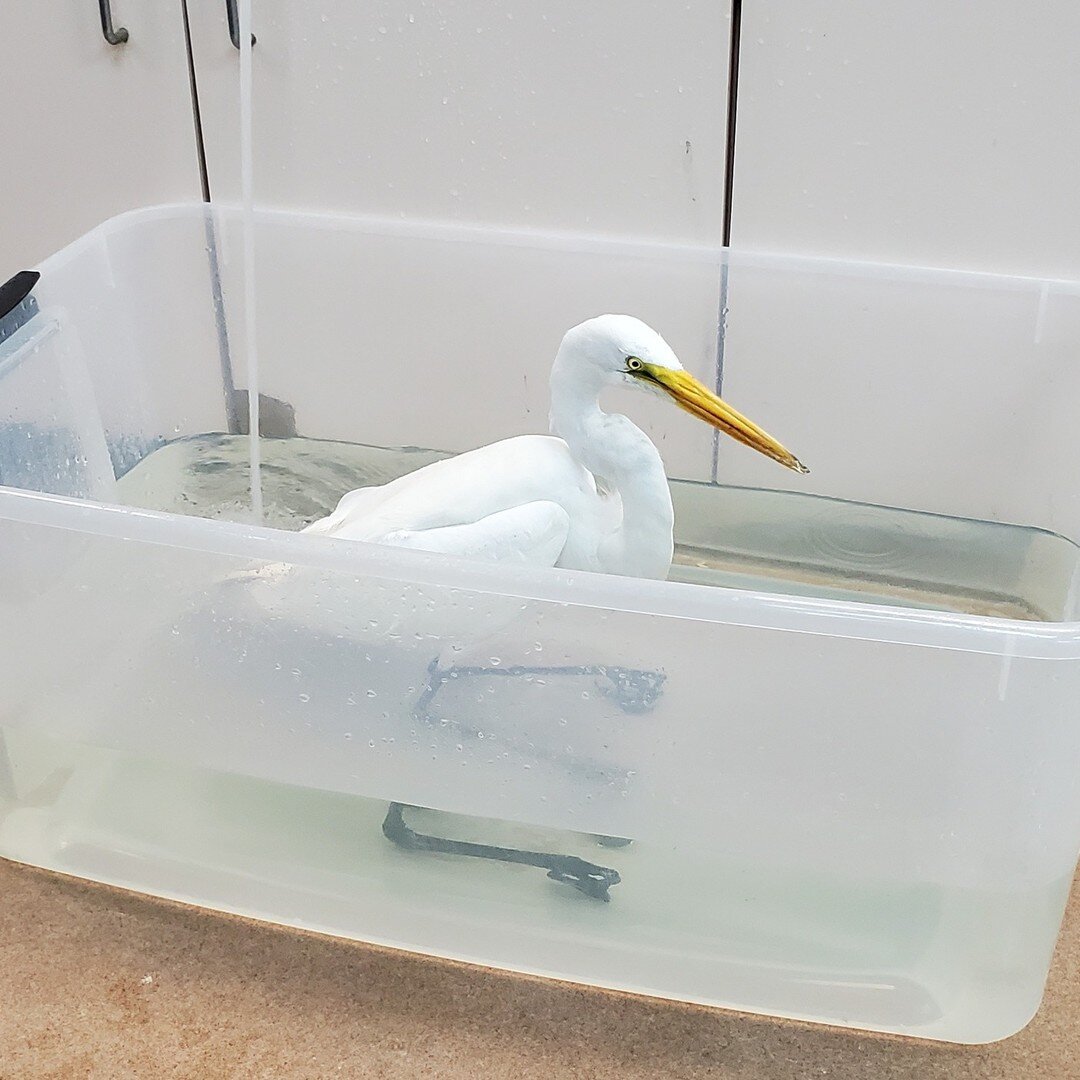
(534, 534)
(354, 504)
(463, 490)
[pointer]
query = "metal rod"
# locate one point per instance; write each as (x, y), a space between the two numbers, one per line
(196, 110)
(586, 877)
(732, 117)
(221, 323)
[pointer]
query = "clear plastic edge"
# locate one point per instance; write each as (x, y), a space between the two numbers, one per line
(431, 229)
(829, 618)
(1013, 638)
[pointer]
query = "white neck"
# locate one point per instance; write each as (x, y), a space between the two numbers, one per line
(623, 460)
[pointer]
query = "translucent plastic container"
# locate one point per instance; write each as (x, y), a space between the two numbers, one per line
(833, 761)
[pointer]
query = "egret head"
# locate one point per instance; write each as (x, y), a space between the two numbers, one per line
(619, 349)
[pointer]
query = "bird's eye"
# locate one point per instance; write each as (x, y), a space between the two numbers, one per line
(633, 364)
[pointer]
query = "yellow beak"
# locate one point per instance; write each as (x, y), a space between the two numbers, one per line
(698, 400)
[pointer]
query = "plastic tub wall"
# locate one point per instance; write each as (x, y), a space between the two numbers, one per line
(845, 812)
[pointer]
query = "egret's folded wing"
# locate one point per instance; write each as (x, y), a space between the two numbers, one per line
(353, 505)
(534, 533)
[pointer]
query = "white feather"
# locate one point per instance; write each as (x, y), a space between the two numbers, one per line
(590, 496)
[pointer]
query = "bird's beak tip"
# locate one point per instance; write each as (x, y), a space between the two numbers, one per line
(698, 400)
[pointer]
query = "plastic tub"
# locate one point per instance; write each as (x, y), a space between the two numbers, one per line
(847, 775)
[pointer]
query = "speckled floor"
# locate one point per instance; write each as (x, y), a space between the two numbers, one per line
(100, 983)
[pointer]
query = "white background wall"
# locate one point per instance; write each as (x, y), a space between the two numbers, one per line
(597, 117)
(935, 132)
(88, 129)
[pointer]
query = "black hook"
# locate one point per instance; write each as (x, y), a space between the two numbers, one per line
(234, 23)
(113, 36)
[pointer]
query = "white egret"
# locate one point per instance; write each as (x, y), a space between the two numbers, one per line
(592, 495)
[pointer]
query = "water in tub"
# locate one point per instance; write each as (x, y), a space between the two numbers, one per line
(716, 927)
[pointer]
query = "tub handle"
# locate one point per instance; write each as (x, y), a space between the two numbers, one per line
(234, 23)
(113, 35)
(17, 306)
